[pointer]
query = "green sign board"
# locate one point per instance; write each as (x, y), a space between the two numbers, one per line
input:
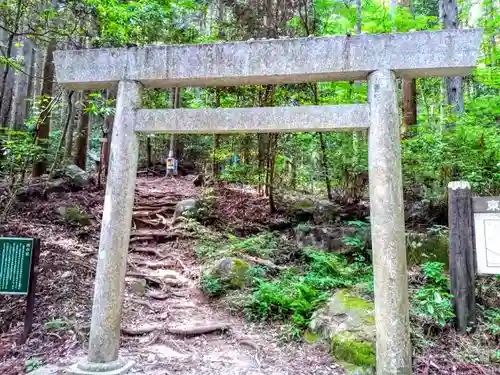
(16, 255)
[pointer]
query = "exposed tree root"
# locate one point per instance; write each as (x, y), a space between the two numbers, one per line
(144, 211)
(142, 234)
(158, 296)
(153, 264)
(144, 303)
(180, 331)
(261, 262)
(149, 251)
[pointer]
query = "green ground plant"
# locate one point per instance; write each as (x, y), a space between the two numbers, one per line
(433, 302)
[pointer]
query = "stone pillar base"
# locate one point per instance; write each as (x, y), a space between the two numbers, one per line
(84, 367)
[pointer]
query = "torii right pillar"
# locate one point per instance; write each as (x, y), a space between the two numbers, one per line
(388, 226)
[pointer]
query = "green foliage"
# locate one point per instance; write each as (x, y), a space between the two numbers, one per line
(18, 151)
(263, 245)
(56, 324)
(358, 240)
(211, 285)
(144, 22)
(352, 350)
(32, 364)
(433, 301)
(468, 151)
(492, 319)
(74, 215)
(297, 294)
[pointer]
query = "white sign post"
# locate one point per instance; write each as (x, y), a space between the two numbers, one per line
(487, 234)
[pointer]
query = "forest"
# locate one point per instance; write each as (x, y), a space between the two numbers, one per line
(267, 235)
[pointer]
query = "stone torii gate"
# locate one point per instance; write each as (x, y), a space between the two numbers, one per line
(376, 58)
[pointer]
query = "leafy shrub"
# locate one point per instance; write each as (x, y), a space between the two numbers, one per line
(211, 285)
(433, 301)
(492, 318)
(262, 245)
(296, 295)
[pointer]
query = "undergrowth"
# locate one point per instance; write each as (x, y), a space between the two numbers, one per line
(297, 293)
(293, 293)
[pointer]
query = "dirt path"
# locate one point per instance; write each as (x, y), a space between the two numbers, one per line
(167, 305)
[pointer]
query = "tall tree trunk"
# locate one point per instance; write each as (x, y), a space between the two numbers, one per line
(84, 128)
(67, 121)
(43, 125)
(409, 86)
(493, 14)
(324, 156)
(450, 21)
(68, 142)
(5, 98)
(409, 104)
(216, 139)
(108, 123)
(82, 132)
(272, 169)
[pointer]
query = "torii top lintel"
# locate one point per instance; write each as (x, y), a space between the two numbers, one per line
(413, 54)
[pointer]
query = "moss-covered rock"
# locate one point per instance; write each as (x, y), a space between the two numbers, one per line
(232, 272)
(74, 215)
(348, 321)
(430, 246)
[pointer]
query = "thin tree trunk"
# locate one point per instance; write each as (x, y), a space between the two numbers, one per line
(111, 95)
(272, 170)
(216, 138)
(82, 132)
(324, 156)
(7, 102)
(68, 143)
(454, 93)
(43, 126)
(409, 87)
(409, 104)
(69, 114)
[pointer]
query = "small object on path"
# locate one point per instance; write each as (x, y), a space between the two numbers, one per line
(198, 181)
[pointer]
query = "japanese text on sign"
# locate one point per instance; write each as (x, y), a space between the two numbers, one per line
(15, 265)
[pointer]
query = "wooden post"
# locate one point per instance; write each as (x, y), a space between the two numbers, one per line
(462, 270)
(30, 298)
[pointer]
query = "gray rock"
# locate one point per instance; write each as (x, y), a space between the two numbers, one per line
(187, 206)
(77, 176)
(324, 237)
(232, 271)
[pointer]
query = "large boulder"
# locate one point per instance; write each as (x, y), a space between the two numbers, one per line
(348, 322)
(322, 211)
(77, 176)
(322, 237)
(183, 208)
(326, 211)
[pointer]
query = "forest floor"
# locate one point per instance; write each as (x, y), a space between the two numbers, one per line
(163, 304)
(169, 326)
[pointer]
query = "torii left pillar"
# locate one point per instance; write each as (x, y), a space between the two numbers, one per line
(104, 342)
